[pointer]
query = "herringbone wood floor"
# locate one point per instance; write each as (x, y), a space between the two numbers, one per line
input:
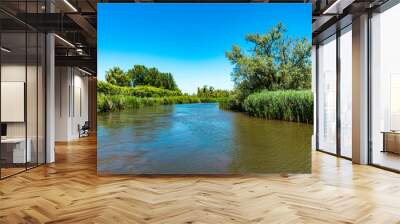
(69, 191)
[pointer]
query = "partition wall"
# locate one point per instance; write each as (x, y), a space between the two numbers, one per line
(22, 77)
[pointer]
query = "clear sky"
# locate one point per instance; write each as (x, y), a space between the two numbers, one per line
(188, 40)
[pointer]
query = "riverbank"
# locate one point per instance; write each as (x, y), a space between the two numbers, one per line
(286, 105)
(293, 105)
(107, 103)
(116, 98)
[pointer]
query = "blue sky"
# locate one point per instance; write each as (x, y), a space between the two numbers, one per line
(188, 40)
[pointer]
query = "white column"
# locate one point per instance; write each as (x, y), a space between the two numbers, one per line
(50, 99)
(360, 90)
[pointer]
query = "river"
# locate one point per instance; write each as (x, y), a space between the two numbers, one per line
(199, 139)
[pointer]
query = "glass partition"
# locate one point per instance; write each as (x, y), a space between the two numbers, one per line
(385, 89)
(22, 77)
(13, 114)
(327, 95)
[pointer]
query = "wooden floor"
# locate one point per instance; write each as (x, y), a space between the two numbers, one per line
(69, 191)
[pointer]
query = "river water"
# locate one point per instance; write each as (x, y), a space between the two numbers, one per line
(199, 139)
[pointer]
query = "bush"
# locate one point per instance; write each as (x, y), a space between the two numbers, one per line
(139, 91)
(290, 105)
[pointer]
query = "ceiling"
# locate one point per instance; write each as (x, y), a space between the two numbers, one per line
(329, 13)
(73, 21)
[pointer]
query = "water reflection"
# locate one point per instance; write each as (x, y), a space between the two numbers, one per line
(199, 139)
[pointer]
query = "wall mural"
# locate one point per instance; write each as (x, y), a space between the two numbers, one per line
(204, 88)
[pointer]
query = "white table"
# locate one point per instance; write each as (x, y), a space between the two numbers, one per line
(19, 153)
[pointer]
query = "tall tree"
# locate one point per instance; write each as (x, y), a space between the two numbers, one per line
(275, 61)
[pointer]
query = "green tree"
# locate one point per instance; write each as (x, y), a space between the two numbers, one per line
(274, 62)
(137, 75)
(141, 75)
(118, 77)
(211, 92)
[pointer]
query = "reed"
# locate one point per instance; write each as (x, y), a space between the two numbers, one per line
(287, 105)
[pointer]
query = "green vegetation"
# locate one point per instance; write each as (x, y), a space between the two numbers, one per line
(106, 103)
(142, 86)
(275, 62)
(112, 97)
(210, 92)
(139, 91)
(272, 80)
(140, 75)
(288, 105)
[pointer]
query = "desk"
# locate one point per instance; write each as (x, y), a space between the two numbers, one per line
(391, 141)
(18, 149)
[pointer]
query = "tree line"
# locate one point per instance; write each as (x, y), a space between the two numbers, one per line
(140, 75)
(209, 91)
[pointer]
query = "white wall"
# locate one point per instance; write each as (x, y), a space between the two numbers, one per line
(33, 126)
(16, 73)
(71, 87)
(62, 83)
(79, 115)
